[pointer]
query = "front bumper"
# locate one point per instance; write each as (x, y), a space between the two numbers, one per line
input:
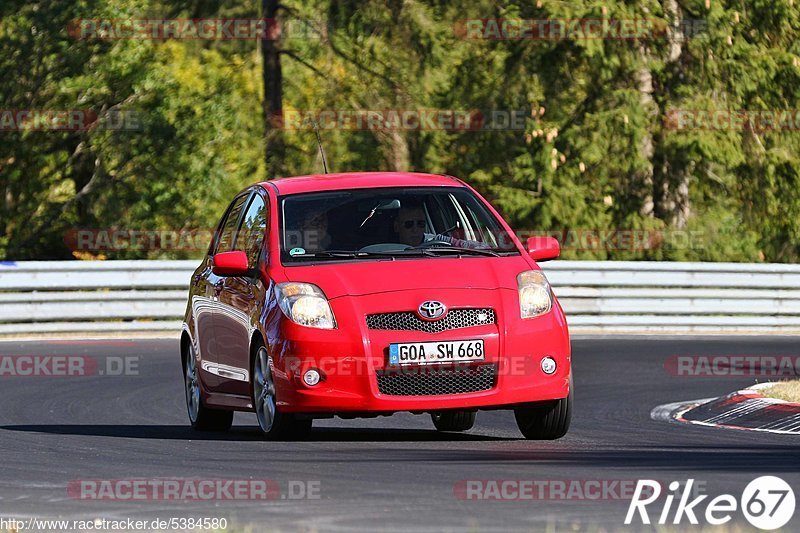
(351, 357)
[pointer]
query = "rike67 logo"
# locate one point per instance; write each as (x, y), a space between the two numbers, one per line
(767, 503)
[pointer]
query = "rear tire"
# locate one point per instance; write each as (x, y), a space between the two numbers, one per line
(454, 420)
(201, 417)
(545, 420)
(274, 425)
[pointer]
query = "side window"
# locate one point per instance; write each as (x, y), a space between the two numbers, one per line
(250, 236)
(474, 227)
(444, 215)
(225, 239)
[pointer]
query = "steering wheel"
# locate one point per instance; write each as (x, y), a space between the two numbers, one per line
(451, 228)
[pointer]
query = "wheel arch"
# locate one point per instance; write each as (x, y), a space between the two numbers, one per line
(255, 338)
(186, 341)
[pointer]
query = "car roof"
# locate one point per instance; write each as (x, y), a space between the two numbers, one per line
(359, 180)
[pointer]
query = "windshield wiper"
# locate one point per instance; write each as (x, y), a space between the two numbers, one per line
(459, 250)
(341, 253)
(430, 252)
(325, 253)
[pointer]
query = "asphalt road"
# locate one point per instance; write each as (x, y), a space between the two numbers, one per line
(385, 473)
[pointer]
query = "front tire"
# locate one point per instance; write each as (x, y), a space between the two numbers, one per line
(273, 423)
(545, 420)
(454, 420)
(201, 417)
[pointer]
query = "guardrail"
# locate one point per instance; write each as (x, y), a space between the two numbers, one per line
(125, 296)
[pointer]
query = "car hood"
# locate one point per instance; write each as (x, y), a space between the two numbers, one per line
(358, 278)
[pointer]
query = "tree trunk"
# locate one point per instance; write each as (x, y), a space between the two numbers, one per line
(672, 187)
(644, 81)
(274, 144)
(398, 151)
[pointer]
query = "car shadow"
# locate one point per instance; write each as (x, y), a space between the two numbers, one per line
(497, 451)
(565, 453)
(247, 433)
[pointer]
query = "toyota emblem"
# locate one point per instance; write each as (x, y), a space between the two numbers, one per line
(431, 310)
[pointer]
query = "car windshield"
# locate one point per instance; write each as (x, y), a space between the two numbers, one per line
(390, 222)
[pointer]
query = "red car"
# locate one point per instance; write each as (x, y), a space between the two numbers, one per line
(365, 294)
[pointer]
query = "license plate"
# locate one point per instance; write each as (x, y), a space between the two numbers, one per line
(435, 353)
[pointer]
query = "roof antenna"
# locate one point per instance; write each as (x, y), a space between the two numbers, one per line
(321, 151)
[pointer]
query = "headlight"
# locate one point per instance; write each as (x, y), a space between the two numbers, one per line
(305, 304)
(535, 297)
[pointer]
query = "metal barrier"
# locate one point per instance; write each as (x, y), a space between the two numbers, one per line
(637, 296)
(124, 296)
(93, 296)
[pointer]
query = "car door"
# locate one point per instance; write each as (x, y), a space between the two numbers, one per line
(209, 336)
(241, 299)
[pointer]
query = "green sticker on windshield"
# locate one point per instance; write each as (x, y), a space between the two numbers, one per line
(296, 251)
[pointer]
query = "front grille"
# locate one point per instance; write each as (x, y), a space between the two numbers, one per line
(434, 381)
(454, 319)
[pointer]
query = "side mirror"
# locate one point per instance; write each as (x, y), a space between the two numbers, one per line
(543, 248)
(231, 264)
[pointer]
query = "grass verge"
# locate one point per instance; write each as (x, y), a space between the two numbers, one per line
(785, 390)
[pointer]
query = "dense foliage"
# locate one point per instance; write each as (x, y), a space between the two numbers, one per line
(598, 154)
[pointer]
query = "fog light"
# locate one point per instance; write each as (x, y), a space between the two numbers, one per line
(548, 365)
(311, 377)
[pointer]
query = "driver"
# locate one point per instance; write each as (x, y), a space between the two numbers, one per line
(409, 225)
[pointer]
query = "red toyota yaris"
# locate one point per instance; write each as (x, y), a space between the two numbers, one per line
(364, 294)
